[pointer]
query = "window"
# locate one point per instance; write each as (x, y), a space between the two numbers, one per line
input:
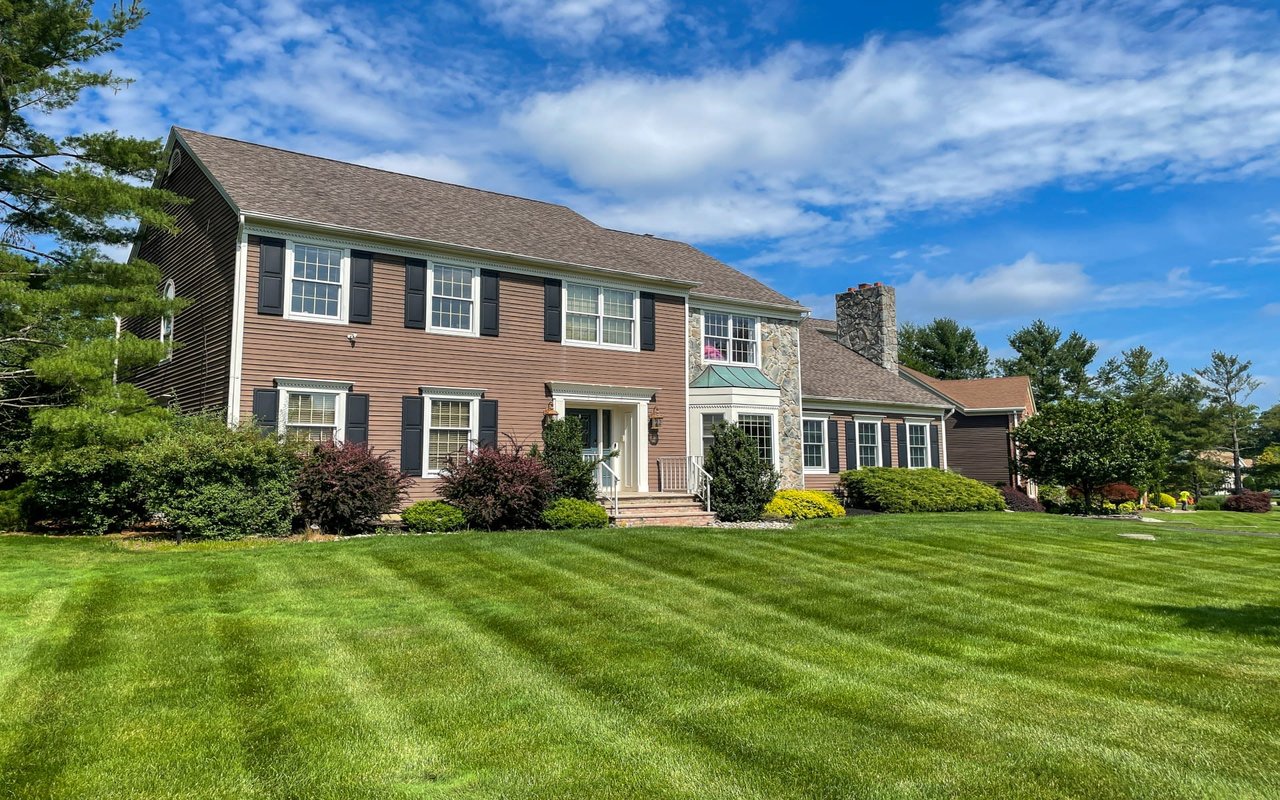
(452, 426)
(729, 337)
(815, 444)
(311, 415)
(452, 297)
(708, 423)
(868, 444)
(166, 319)
(759, 427)
(917, 444)
(316, 281)
(597, 315)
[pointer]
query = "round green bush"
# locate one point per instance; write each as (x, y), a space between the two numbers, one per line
(1163, 500)
(567, 513)
(803, 504)
(432, 516)
(1209, 502)
(897, 490)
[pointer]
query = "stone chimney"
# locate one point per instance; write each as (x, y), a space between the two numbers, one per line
(867, 323)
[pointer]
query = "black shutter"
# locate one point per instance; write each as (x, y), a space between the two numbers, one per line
(551, 310)
(648, 321)
(271, 277)
(361, 301)
(904, 459)
(851, 444)
(411, 408)
(833, 446)
(488, 302)
(488, 429)
(266, 409)
(415, 299)
(357, 428)
(933, 446)
(886, 447)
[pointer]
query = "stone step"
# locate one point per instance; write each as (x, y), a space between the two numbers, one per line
(656, 500)
(676, 518)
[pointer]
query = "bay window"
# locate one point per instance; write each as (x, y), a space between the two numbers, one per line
(759, 428)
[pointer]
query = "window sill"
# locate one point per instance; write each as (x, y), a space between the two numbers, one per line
(617, 348)
(299, 317)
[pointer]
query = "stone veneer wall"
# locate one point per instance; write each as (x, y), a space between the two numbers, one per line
(780, 362)
(867, 323)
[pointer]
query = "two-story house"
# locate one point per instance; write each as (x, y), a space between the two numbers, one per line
(335, 300)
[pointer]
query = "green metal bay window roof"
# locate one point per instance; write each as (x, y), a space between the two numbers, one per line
(722, 376)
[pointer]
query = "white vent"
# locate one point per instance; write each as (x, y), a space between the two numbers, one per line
(175, 159)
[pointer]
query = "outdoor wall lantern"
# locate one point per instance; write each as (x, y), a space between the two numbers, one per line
(550, 414)
(655, 419)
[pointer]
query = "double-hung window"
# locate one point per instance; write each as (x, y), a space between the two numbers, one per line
(452, 427)
(708, 430)
(917, 444)
(312, 415)
(759, 428)
(868, 444)
(452, 297)
(729, 337)
(600, 316)
(815, 445)
(316, 282)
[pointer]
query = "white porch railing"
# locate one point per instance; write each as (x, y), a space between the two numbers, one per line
(685, 474)
(607, 481)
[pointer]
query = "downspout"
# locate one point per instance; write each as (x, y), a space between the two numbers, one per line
(237, 325)
(942, 438)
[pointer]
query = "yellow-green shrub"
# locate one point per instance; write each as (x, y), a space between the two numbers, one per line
(1165, 500)
(803, 504)
(898, 491)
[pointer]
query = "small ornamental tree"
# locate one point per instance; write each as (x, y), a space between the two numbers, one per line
(346, 488)
(1088, 445)
(562, 453)
(742, 483)
(498, 488)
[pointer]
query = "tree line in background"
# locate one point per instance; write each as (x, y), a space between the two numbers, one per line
(1185, 430)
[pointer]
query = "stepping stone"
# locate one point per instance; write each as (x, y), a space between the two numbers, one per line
(1146, 537)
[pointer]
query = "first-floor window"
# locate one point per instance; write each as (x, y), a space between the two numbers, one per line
(708, 427)
(868, 444)
(449, 430)
(815, 444)
(311, 415)
(917, 444)
(759, 428)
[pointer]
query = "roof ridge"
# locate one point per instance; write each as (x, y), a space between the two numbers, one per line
(385, 171)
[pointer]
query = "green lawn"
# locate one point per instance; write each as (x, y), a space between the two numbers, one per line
(991, 655)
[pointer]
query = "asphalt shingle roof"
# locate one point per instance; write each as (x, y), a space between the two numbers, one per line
(1010, 392)
(281, 183)
(829, 369)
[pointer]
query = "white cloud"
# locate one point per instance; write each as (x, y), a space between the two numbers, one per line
(1010, 97)
(1031, 287)
(578, 21)
(932, 251)
(901, 254)
(1271, 310)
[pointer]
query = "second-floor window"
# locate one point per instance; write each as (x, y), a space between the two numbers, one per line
(452, 297)
(729, 337)
(316, 279)
(600, 315)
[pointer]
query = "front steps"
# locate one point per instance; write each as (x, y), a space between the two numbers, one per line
(666, 508)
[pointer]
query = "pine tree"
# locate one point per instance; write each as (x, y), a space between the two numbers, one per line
(1229, 384)
(63, 201)
(943, 349)
(1058, 368)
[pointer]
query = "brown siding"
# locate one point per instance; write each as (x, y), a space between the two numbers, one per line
(827, 481)
(200, 260)
(389, 361)
(978, 446)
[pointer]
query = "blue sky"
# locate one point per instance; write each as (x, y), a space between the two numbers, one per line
(1111, 167)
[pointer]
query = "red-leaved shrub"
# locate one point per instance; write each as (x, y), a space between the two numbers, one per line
(1249, 502)
(1113, 493)
(498, 488)
(345, 488)
(1018, 500)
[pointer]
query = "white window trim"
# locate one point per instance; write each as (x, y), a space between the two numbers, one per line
(857, 442)
(928, 450)
(168, 291)
(474, 330)
(431, 394)
(729, 361)
(731, 415)
(599, 344)
(344, 290)
(339, 389)
(826, 457)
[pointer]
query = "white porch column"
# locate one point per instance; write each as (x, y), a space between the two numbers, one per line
(642, 446)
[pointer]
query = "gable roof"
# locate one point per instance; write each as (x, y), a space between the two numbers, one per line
(828, 369)
(266, 181)
(1013, 392)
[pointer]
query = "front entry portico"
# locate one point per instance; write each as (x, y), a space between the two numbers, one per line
(615, 423)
